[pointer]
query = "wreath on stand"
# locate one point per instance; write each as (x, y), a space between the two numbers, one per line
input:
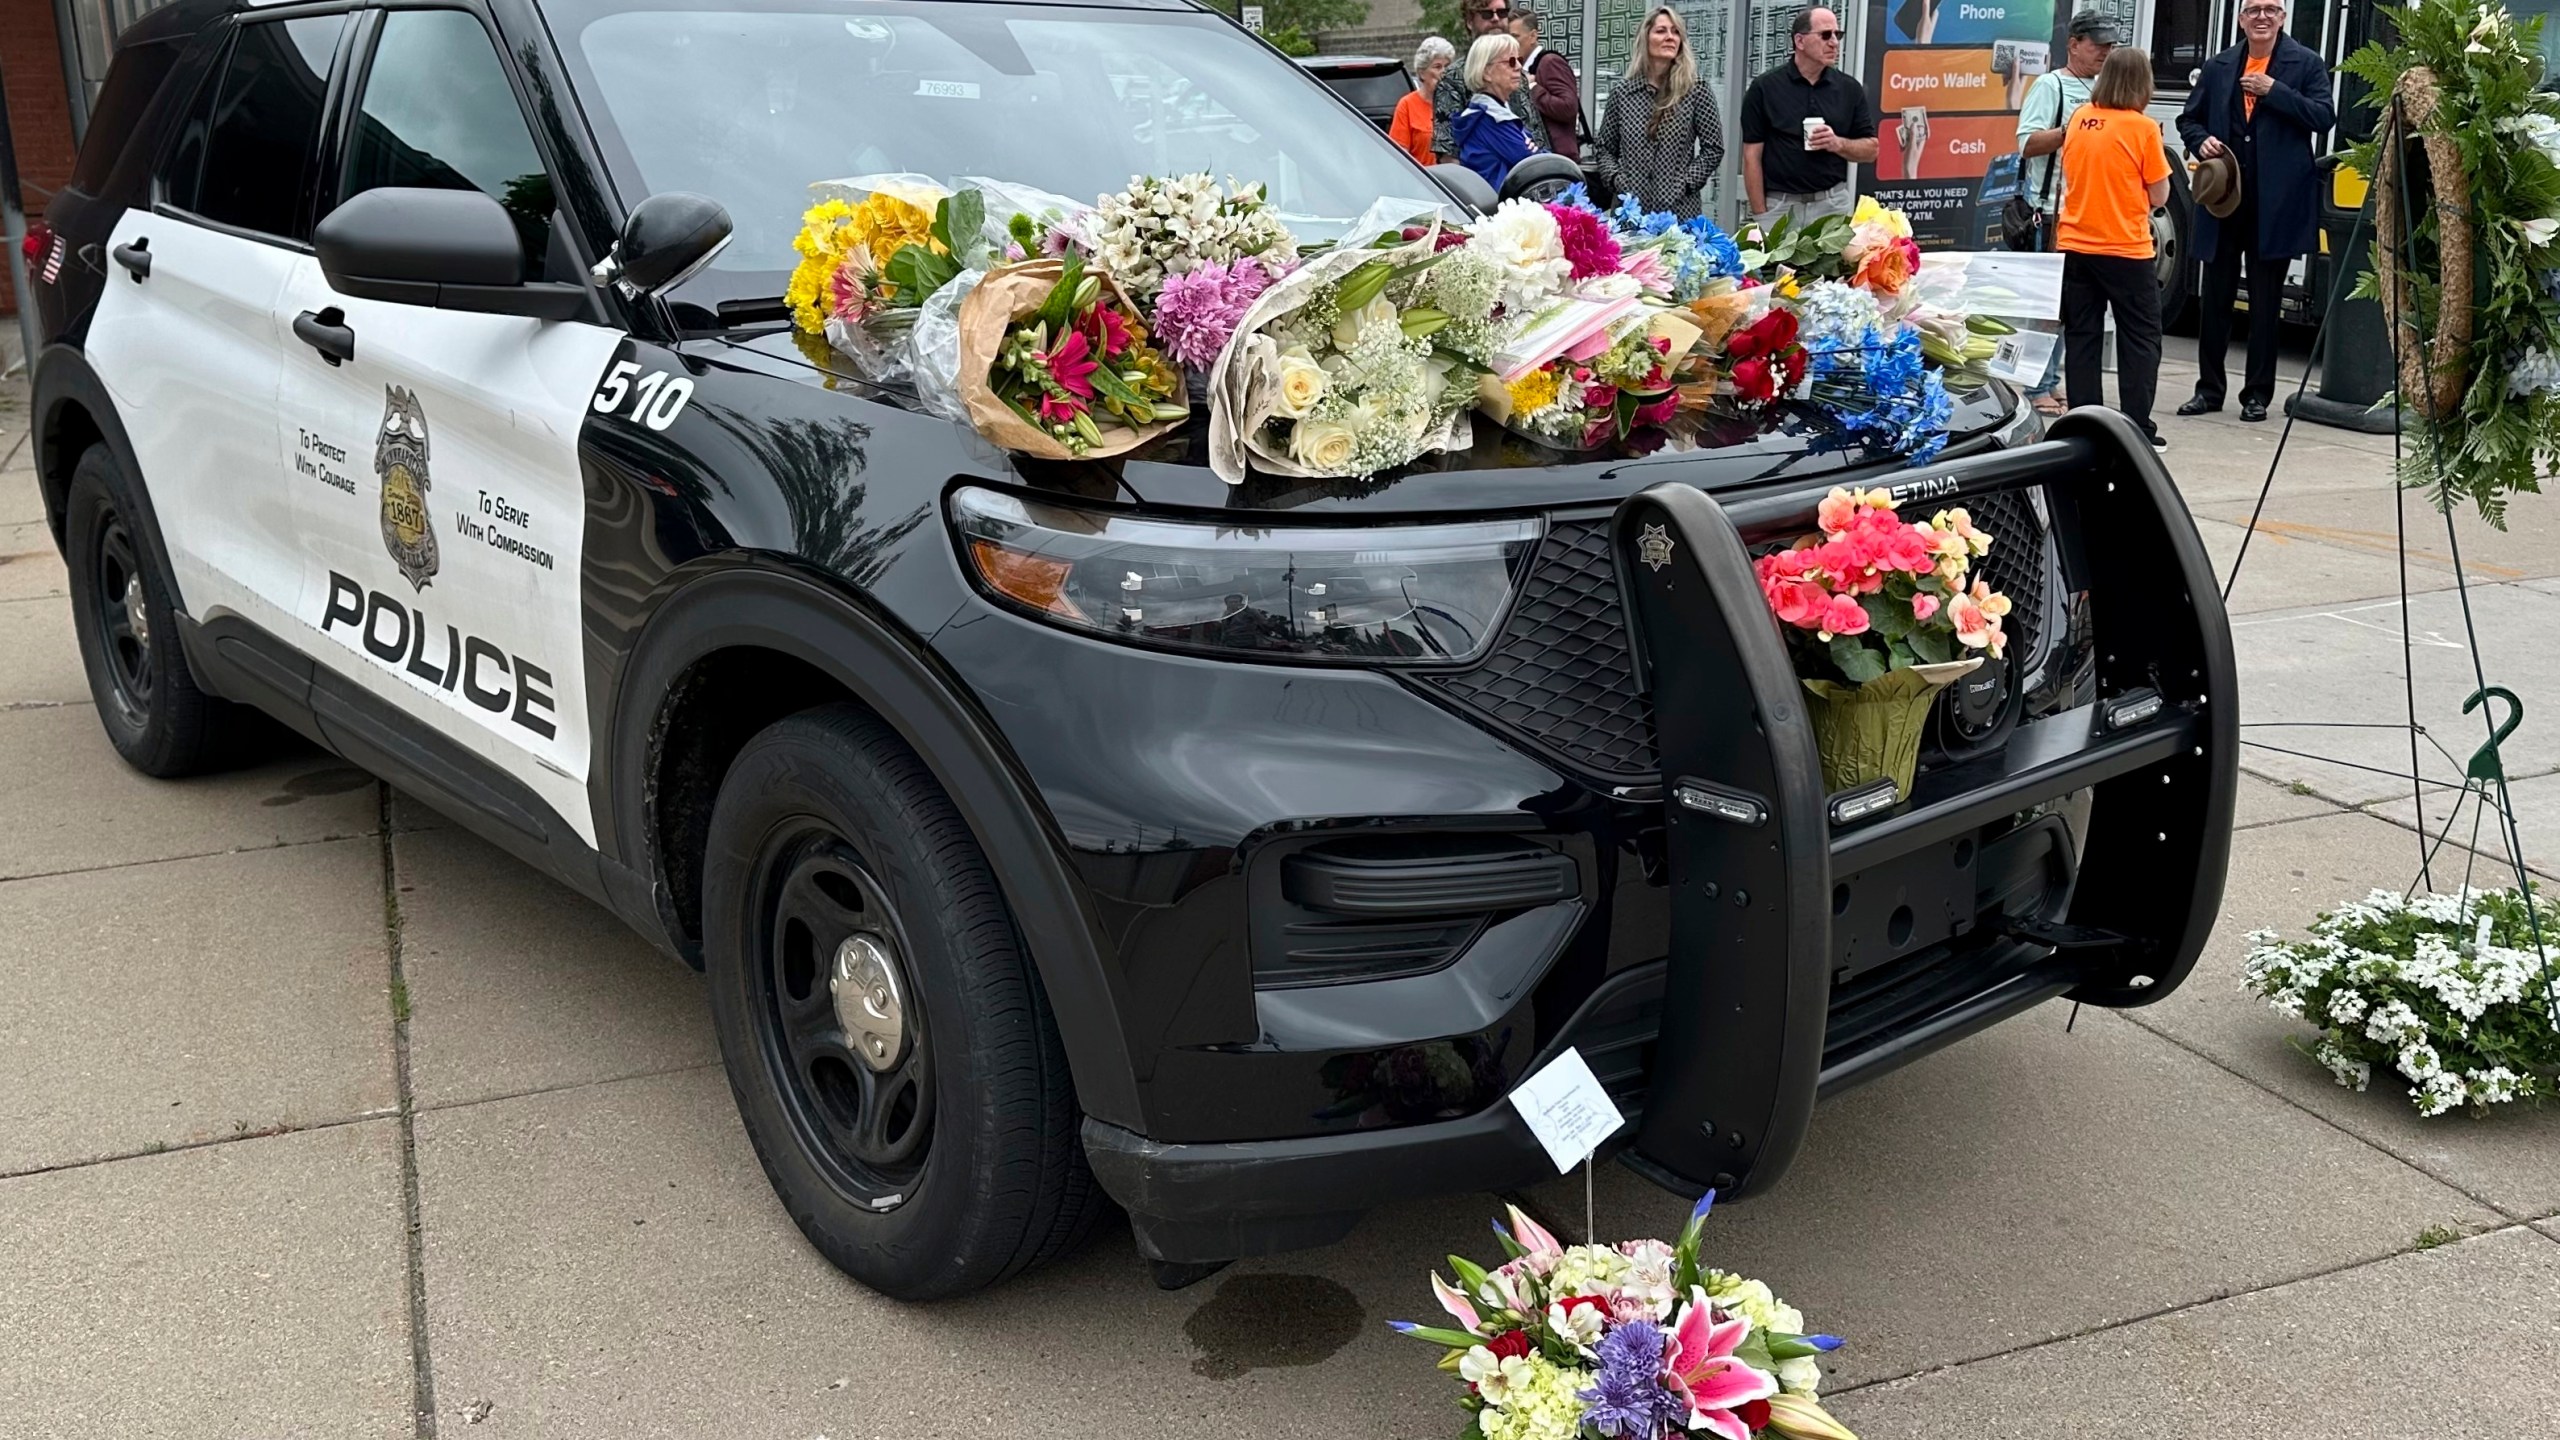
(2466, 167)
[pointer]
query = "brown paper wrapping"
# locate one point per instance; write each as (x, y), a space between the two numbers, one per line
(1011, 293)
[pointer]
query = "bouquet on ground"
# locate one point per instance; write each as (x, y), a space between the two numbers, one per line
(1880, 614)
(1637, 1341)
(1338, 368)
(1055, 363)
(2455, 992)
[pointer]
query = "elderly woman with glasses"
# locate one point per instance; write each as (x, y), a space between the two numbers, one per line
(1491, 137)
(1481, 18)
(1411, 127)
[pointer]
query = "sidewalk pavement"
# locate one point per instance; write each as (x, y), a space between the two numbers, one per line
(318, 1117)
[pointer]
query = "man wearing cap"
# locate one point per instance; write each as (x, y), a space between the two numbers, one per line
(2262, 102)
(2050, 101)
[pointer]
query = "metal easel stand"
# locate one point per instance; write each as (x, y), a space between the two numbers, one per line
(2484, 785)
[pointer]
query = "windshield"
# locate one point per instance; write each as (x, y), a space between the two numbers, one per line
(749, 103)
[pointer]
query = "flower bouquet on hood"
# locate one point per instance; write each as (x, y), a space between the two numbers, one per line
(1611, 383)
(1337, 370)
(843, 287)
(1636, 1341)
(1055, 363)
(1881, 614)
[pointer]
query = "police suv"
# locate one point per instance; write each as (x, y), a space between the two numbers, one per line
(415, 372)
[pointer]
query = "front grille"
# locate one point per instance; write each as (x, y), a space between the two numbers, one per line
(2017, 567)
(1560, 675)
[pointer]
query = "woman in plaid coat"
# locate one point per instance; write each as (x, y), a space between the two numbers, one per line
(1660, 138)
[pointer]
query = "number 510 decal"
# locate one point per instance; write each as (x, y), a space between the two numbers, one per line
(656, 400)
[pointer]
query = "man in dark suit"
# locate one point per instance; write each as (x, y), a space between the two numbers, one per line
(2263, 101)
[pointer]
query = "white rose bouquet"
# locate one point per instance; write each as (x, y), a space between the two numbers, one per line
(1339, 369)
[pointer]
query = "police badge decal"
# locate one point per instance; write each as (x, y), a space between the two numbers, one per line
(400, 459)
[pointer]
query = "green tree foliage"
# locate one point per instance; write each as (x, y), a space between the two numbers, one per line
(1291, 25)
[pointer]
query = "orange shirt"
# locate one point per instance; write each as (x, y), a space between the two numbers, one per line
(2252, 65)
(2112, 157)
(1411, 127)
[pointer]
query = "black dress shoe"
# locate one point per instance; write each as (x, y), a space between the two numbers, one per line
(2253, 409)
(2200, 406)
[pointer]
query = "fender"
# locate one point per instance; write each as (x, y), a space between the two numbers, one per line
(63, 378)
(770, 608)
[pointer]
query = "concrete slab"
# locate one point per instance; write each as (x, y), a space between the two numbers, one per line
(2284, 1362)
(2360, 518)
(2281, 877)
(2029, 1183)
(516, 984)
(2264, 802)
(253, 1288)
(40, 656)
(2329, 680)
(2288, 572)
(156, 1005)
(21, 503)
(610, 1261)
(69, 803)
(2535, 802)
(408, 813)
(2219, 462)
(30, 568)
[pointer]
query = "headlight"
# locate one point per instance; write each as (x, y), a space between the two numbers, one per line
(1383, 594)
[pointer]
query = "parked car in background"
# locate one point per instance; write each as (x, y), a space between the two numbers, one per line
(1371, 83)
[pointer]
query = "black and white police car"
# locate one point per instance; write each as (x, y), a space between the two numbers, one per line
(397, 383)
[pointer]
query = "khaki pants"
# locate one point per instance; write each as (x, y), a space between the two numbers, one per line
(1802, 210)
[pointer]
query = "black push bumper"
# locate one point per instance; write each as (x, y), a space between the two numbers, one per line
(1760, 1006)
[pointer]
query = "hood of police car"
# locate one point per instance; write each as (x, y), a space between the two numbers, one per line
(1498, 471)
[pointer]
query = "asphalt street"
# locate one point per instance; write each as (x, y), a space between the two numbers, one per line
(319, 1117)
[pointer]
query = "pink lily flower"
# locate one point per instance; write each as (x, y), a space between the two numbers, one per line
(1533, 1237)
(1698, 1366)
(1456, 1304)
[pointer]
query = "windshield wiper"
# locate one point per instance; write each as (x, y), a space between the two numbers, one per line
(737, 313)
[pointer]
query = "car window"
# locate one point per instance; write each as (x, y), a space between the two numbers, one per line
(244, 160)
(437, 113)
(751, 101)
(133, 82)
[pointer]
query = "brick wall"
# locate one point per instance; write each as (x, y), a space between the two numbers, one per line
(39, 108)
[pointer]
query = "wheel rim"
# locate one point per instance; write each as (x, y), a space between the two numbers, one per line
(840, 1026)
(123, 622)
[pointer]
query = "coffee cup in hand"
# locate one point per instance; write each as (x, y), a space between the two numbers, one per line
(1811, 125)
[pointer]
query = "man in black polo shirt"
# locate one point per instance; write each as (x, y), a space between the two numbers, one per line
(1803, 125)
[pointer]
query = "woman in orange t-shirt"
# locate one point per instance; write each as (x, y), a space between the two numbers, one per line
(1411, 127)
(2118, 173)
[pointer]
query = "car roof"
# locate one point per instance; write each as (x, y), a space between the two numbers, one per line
(1312, 61)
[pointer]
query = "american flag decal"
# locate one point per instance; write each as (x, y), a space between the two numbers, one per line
(53, 261)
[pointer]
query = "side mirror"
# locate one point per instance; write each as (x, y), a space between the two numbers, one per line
(450, 249)
(1465, 186)
(667, 238)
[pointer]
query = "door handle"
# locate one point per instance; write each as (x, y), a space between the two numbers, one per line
(136, 258)
(327, 332)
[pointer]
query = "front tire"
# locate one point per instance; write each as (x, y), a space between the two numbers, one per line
(128, 622)
(889, 1046)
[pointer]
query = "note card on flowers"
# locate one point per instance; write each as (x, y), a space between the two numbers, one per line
(1567, 1109)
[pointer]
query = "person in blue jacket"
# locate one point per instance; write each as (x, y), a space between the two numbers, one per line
(2262, 101)
(1490, 138)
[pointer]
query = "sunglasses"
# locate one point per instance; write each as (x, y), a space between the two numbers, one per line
(2263, 12)
(1826, 34)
